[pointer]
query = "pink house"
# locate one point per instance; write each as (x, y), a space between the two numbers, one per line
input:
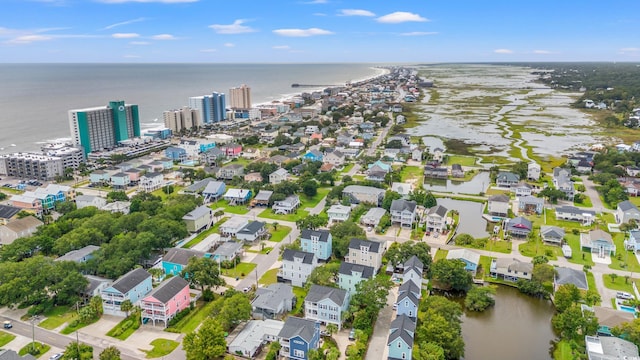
(231, 150)
(165, 301)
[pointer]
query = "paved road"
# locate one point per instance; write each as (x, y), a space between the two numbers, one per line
(378, 345)
(591, 191)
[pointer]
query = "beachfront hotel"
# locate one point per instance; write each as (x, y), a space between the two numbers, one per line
(185, 118)
(210, 108)
(240, 97)
(100, 128)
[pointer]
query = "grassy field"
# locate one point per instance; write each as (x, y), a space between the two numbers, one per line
(500, 246)
(484, 267)
(123, 335)
(563, 351)
(160, 193)
(586, 203)
(306, 202)
(537, 247)
(56, 317)
(299, 214)
(411, 173)
(161, 347)
(42, 349)
(240, 271)
(347, 168)
(623, 260)
(231, 209)
(203, 235)
(6, 338)
(300, 294)
(279, 234)
(70, 329)
(462, 160)
(591, 282)
(440, 254)
(190, 322)
(269, 277)
(578, 256)
(620, 283)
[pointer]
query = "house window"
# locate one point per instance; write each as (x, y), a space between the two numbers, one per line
(298, 353)
(399, 345)
(404, 355)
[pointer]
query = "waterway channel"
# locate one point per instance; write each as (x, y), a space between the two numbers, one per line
(471, 220)
(478, 184)
(517, 327)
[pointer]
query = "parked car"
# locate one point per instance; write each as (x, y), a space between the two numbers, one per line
(8, 325)
(56, 356)
(352, 334)
(624, 295)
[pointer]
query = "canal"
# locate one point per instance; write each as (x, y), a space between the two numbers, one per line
(476, 185)
(471, 220)
(517, 327)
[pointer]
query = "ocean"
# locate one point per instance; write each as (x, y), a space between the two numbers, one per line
(35, 98)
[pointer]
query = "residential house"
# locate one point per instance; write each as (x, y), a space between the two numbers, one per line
(413, 271)
(610, 348)
(251, 153)
(262, 199)
(632, 170)
(18, 228)
(562, 181)
(416, 154)
(598, 242)
(122, 207)
(198, 219)
(573, 213)
(407, 304)
(165, 301)
(434, 170)
(470, 258)
(633, 241)
(403, 189)
(99, 177)
(227, 251)
(410, 287)
(197, 187)
(8, 212)
(6, 354)
(232, 226)
(254, 336)
(372, 217)
(228, 172)
(364, 194)
(403, 212)
(212, 157)
(278, 176)
(237, 196)
(297, 337)
(533, 171)
(631, 186)
(377, 171)
(626, 211)
(83, 201)
(231, 150)
(29, 203)
(338, 213)
(318, 242)
(530, 204)
(176, 259)
(278, 159)
(273, 301)
(213, 191)
(365, 252)
(401, 334)
(437, 154)
(498, 205)
(132, 286)
(350, 275)
(287, 206)
(457, 171)
(608, 318)
(253, 176)
(336, 158)
(326, 304)
(312, 155)
(566, 275)
(522, 189)
(94, 287)
(81, 255)
(510, 269)
(507, 179)
(437, 218)
(253, 231)
(296, 266)
(120, 181)
(518, 227)
(552, 234)
(584, 166)
(151, 181)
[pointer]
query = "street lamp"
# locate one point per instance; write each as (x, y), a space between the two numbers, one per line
(33, 320)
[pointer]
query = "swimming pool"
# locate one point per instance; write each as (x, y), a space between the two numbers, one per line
(188, 163)
(626, 308)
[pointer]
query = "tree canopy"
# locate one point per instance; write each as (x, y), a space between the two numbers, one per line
(450, 274)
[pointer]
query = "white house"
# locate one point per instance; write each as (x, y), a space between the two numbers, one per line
(403, 212)
(326, 304)
(151, 181)
(437, 218)
(296, 266)
(498, 205)
(365, 252)
(278, 176)
(233, 226)
(533, 171)
(338, 213)
(286, 206)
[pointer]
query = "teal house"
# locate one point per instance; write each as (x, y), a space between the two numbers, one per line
(401, 334)
(177, 259)
(318, 242)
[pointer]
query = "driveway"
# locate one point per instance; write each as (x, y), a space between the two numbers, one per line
(378, 345)
(592, 193)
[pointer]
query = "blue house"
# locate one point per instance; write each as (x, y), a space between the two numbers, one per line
(214, 191)
(633, 242)
(205, 147)
(401, 334)
(350, 275)
(132, 286)
(297, 337)
(318, 242)
(384, 166)
(312, 155)
(471, 259)
(177, 259)
(413, 269)
(175, 153)
(407, 304)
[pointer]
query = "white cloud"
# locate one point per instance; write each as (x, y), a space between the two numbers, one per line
(163, 37)
(302, 32)
(208, 50)
(235, 28)
(28, 39)
(123, 23)
(541, 52)
(400, 17)
(282, 47)
(355, 12)
(419, 33)
(229, 44)
(317, 2)
(629, 50)
(125, 35)
(147, 1)
(139, 43)
(503, 51)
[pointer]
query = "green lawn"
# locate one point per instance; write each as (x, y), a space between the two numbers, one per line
(231, 209)
(578, 256)
(6, 338)
(123, 335)
(192, 320)
(70, 329)
(635, 200)
(591, 282)
(299, 214)
(620, 284)
(440, 254)
(347, 168)
(500, 246)
(623, 260)
(241, 270)
(300, 294)
(279, 234)
(203, 235)
(461, 159)
(56, 317)
(269, 277)
(160, 193)
(484, 267)
(42, 349)
(563, 351)
(309, 202)
(536, 247)
(161, 347)
(586, 203)
(411, 173)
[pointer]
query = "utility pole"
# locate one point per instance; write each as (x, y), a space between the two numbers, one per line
(256, 278)
(33, 319)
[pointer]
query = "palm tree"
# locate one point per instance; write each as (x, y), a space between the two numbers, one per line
(275, 225)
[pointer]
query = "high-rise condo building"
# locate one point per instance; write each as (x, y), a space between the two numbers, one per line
(211, 108)
(100, 128)
(31, 166)
(240, 97)
(185, 118)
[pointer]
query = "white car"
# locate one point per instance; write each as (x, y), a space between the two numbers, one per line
(624, 295)
(55, 356)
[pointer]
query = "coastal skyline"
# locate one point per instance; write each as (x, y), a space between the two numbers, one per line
(149, 31)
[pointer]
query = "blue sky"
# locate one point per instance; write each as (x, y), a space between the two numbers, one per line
(318, 31)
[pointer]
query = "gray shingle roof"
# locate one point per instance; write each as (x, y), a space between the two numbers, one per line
(373, 246)
(7, 212)
(359, 189)
(263, 195)
(507, 176)
(272, 296)
(551, 231)
(414, 262)
(402, 327)
(574, 210)
(349, 268)
(295, 326)
(12, 355)
(168, 289)
(252, 228)
(181, 256)
(438, 210)
(627, 205)
(130, 280)
(499, 198)
(76, 255)
(571, 276)
(402, 205)
(409, 286)
(319, 292)
(323, 235)
(290, 255)
(228, 249)
(198, 212)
